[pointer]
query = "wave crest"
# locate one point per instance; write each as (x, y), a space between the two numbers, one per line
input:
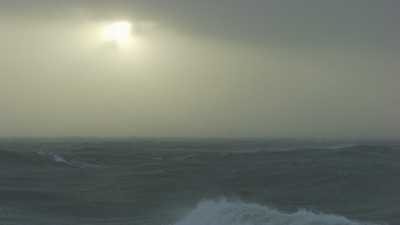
(57, 158)
(224, 212)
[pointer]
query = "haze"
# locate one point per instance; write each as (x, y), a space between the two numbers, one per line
(255, 68)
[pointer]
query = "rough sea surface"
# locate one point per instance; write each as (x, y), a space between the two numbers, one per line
(198, 182)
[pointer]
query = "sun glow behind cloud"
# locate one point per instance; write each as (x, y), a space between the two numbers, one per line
(96, 76)
(118, 33)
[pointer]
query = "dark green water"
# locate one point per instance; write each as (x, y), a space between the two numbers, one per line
(198, 182)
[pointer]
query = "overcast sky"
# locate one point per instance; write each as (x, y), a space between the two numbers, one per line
(221, 68)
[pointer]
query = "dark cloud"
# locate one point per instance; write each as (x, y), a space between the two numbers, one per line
(213, 68)
(308, 22)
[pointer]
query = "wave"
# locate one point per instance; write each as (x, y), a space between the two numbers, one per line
(343, 146)
(56, 158)
(40, 158)
(60, 159)
(225, 212)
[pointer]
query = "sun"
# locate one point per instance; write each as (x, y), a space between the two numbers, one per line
(118, 33)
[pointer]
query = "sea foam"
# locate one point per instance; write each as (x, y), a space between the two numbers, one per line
(225, 212)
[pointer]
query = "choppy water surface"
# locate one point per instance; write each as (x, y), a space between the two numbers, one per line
(198, 182)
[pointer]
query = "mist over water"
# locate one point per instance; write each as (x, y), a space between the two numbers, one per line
(237, 69)
(221, 74)
(198, 182)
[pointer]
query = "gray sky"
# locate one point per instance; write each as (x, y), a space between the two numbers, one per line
(255, 68)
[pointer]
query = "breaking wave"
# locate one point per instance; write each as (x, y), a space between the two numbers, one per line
(41, 158)
(57, 158)
(224, 212)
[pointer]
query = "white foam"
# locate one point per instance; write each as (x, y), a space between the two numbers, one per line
(224, 212)
(60, 159)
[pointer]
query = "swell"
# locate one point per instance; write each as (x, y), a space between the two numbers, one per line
(224, 212)
(17, 158)
(12, 158)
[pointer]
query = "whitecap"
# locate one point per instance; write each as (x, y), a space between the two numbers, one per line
(57, 158)
(225, 212)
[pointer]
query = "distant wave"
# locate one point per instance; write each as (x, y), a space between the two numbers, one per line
(224, 212)
(41, 158)
(57, 158)
(343, 146)
(11, 157)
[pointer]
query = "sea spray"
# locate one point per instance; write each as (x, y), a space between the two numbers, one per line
(224, 212)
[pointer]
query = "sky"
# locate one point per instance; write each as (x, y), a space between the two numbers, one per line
(209, 68)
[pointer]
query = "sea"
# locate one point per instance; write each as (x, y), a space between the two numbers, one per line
(172, 181)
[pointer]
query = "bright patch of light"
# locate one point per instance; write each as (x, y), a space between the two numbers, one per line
(119, 33)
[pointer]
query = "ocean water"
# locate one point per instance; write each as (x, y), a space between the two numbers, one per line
(198, 182)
